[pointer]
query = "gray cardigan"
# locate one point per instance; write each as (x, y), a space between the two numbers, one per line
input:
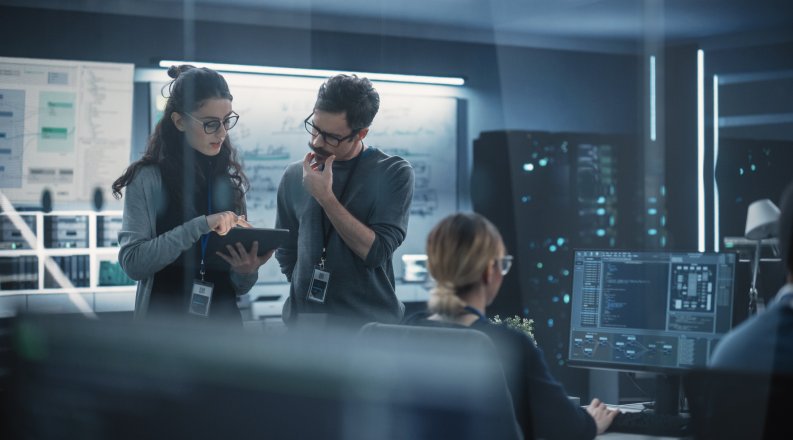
(143, 253)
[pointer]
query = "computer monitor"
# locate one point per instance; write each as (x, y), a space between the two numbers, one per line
(658, 311)
(655, 311)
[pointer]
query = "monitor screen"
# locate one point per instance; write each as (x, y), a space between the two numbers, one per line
(652, 310)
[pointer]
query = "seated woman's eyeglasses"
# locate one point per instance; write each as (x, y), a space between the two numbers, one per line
(210, 127)
(504, 264)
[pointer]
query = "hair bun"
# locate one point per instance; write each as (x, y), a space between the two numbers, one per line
(174, 71)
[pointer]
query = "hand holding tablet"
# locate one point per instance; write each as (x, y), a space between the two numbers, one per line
(243, 248)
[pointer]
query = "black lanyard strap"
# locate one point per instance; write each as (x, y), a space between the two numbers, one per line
(327, 226)
(205, 237)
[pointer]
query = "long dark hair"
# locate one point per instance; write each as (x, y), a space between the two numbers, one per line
(188, 90)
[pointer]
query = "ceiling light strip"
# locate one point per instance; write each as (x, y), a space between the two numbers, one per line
(320, 73)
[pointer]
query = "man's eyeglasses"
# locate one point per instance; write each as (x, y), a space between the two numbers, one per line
(327, 138)
(504, 264)
(213, 126)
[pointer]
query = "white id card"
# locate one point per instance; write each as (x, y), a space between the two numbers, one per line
(200, 298)
(319, 285)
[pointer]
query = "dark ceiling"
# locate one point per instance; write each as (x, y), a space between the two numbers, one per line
(612, 25)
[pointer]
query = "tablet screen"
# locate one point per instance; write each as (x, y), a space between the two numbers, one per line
(268, 239)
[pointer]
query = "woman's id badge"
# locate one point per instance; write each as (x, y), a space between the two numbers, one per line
(200, 298)
(319, 285)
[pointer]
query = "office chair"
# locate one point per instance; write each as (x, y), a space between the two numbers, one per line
(434, 361)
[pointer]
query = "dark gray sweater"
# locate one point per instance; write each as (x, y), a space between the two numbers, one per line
(379, 195)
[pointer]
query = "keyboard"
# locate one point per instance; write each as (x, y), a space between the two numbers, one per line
(649, 423)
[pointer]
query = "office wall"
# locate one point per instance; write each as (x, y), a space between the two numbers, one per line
(507, 87)
(681, 131)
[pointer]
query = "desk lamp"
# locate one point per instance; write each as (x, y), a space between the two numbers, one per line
(761, 223)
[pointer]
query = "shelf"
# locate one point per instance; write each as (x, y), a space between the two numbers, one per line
(89, 264)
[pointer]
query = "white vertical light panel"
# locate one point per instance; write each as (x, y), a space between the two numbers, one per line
(652, 98)
(701, 150)
(715, 159)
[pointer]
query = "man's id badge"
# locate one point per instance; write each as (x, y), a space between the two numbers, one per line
(319, 285)
(200, 298)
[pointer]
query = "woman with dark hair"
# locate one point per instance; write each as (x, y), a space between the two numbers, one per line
(188, 184)
(466, 258)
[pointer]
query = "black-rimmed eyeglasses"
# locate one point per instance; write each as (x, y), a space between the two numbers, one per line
(504, 264)
(329, 139)
(210, 127)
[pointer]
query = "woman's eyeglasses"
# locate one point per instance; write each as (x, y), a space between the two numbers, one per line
(504, 264)
(210, 127)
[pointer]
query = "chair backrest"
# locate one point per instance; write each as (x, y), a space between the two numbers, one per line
(91, 379)
(739, 405)
(435, 360)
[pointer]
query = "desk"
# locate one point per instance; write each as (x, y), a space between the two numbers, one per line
(624, 436)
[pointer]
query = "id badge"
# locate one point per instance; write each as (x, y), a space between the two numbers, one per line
(200, 298)
(319, 285)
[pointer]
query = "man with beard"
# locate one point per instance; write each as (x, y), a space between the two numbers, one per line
(347, 208)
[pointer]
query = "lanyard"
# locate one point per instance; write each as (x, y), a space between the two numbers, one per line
(327, 230)
(473, 311)
(205, 237)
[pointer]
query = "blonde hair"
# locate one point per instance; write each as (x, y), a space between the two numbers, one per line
(459, 249)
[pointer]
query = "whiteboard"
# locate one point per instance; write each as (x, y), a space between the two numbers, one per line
(270, 135)
(58, 120)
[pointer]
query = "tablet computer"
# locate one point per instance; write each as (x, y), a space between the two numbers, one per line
(268, 239)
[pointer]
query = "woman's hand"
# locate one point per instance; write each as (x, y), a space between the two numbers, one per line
(222, 222)
(602, 414)
(245, 262)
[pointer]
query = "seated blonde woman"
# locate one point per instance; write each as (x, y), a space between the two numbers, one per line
(467, 259)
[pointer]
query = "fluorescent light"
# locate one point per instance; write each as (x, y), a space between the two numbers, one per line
(320, 73)
(652, 98)
(701, 149)
(715, 158)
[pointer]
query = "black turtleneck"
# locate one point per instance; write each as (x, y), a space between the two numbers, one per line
(173, 284)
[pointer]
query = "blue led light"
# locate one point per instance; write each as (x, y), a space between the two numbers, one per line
(652, 211)
(753, 167)
(543, 162)
(525, 199)
(552, 248)
(740, 171)
(560, 241)
(601, 211)
(565, 272)
(555, 299)
(550, 322)
(601, 200)
(652, 232)
(539, 265)
(566, 298)
(600, 232)
(528, 167)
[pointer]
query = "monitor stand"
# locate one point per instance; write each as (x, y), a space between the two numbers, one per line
(667, 394)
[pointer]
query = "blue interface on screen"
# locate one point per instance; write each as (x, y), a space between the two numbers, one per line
(649, 310)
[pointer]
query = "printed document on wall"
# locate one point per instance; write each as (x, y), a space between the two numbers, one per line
(65, 126)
